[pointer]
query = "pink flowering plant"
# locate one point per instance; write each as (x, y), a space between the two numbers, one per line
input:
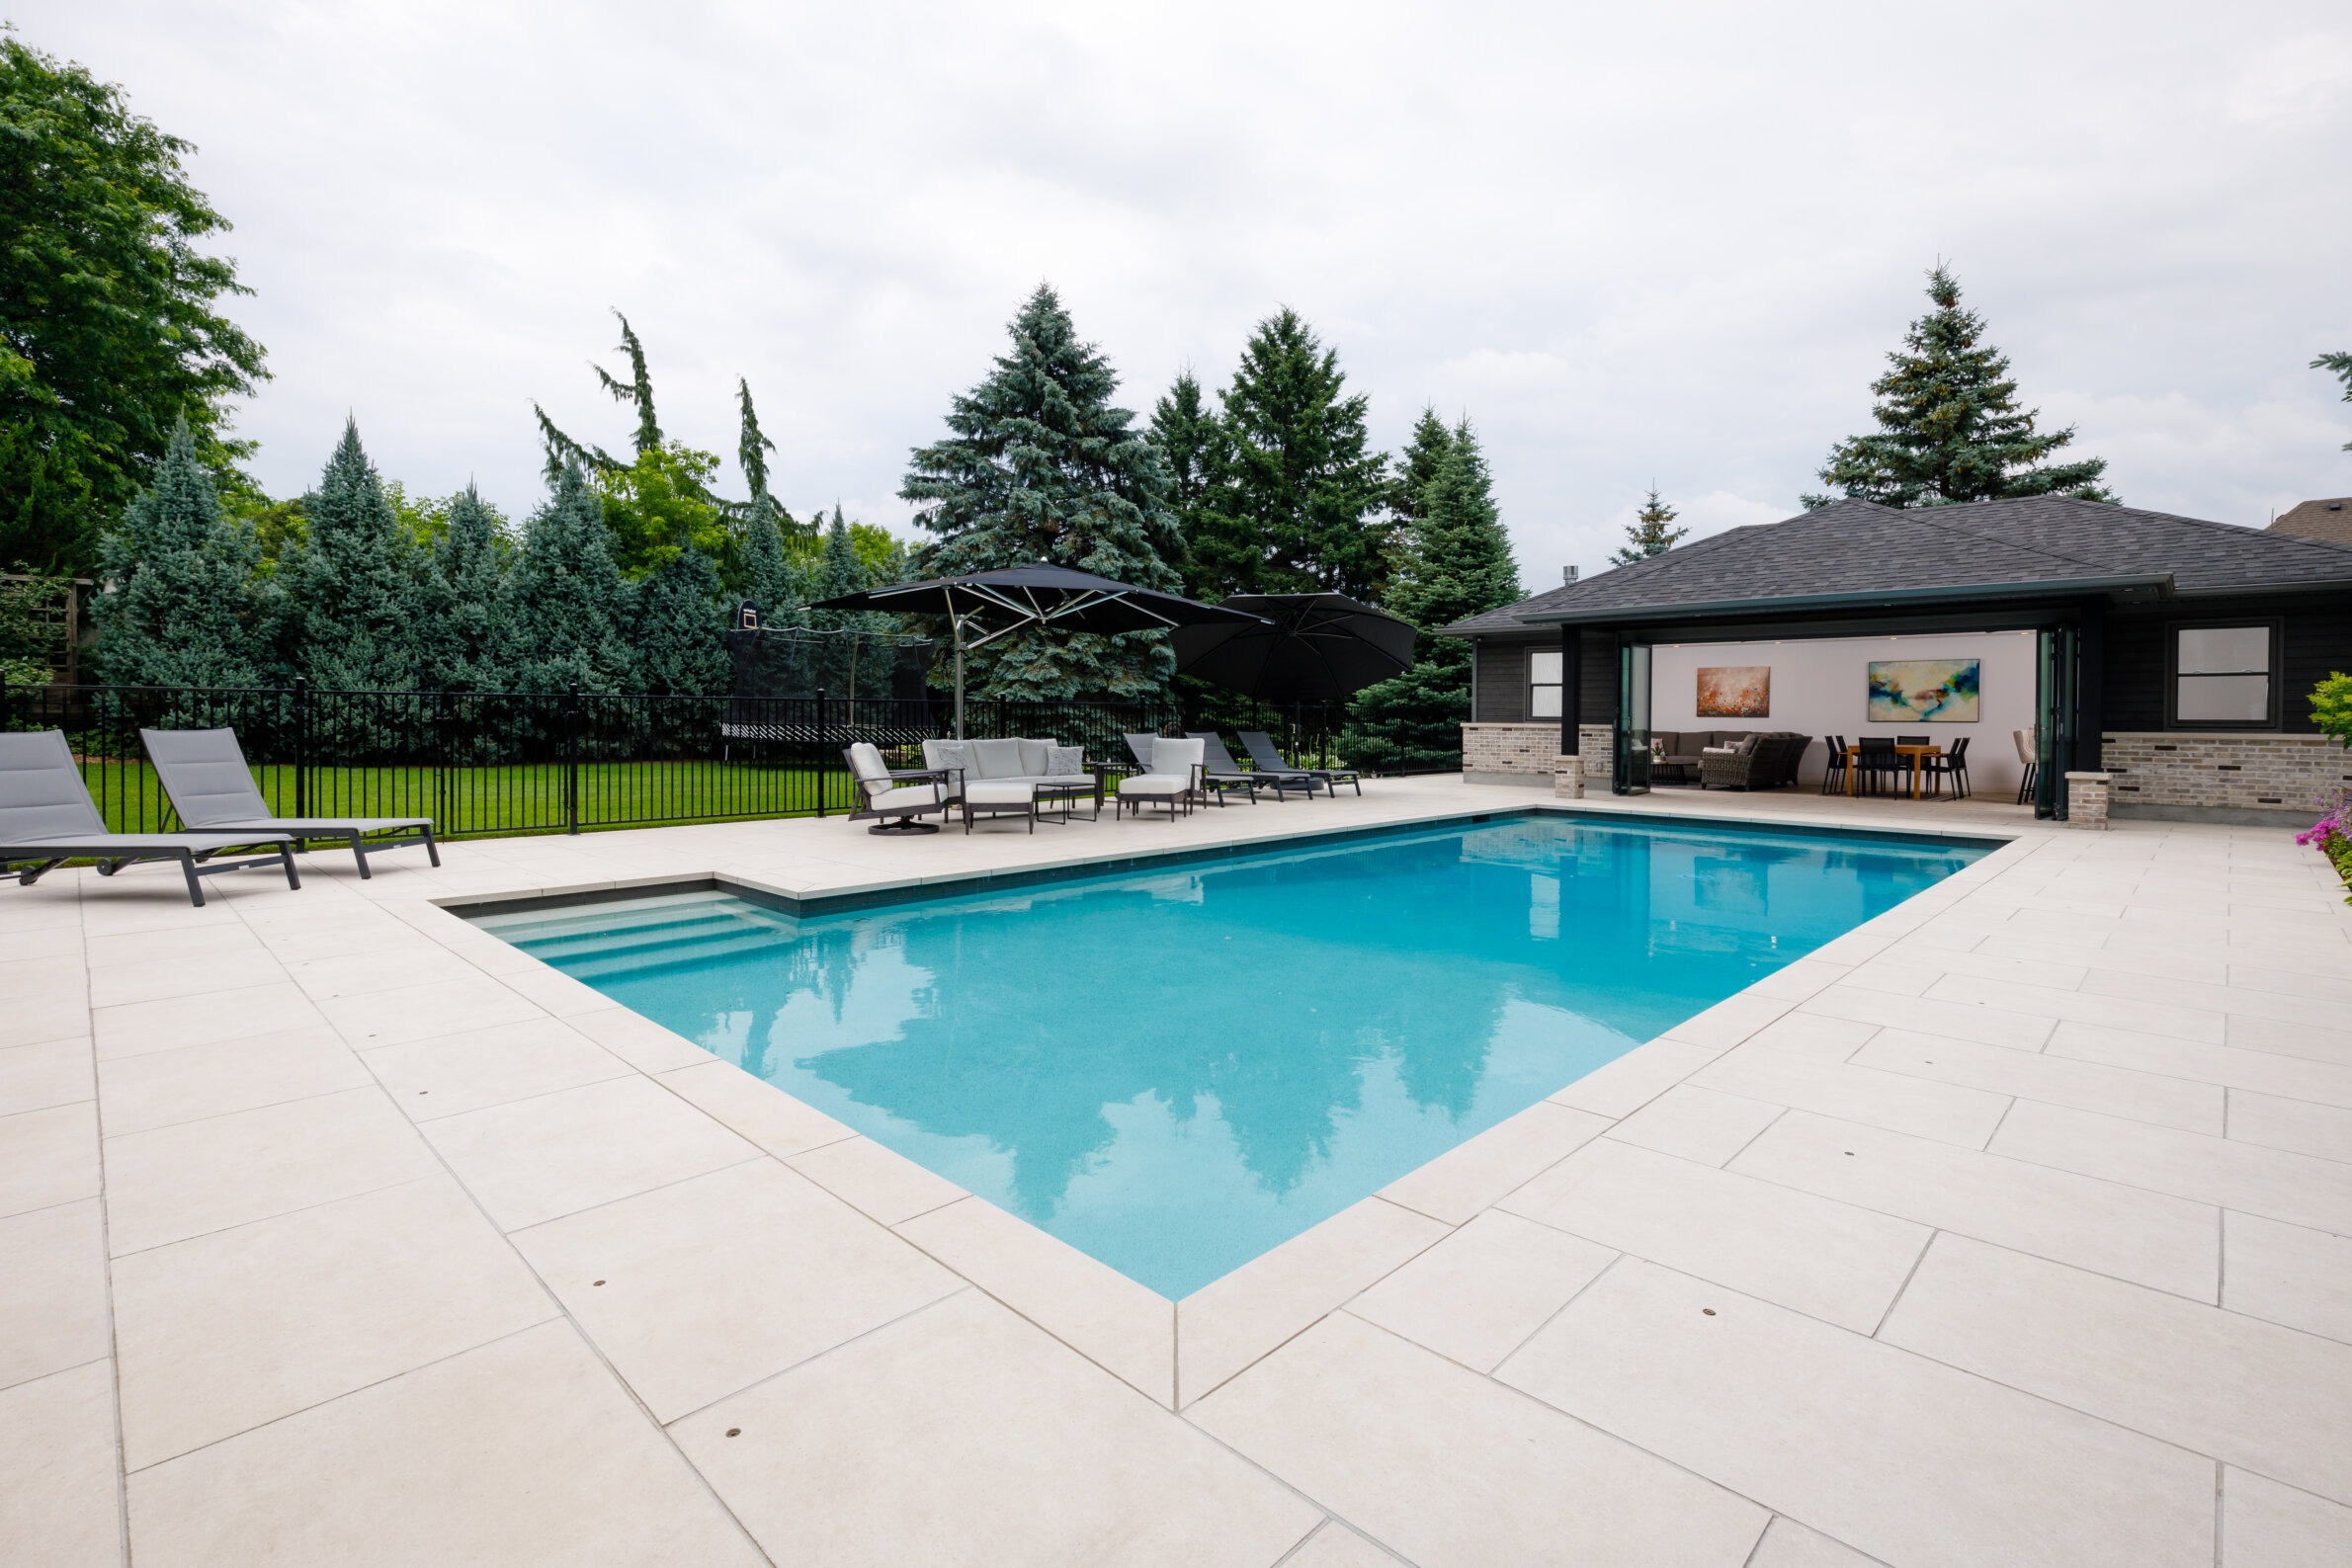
(2332, 835)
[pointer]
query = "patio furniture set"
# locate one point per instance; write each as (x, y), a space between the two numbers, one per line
(1769, 760)
(47, 815)
(1042, 781)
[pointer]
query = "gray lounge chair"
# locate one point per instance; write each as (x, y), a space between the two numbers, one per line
(204, 771)
(1222, 766)
(47, 818)
(1260, 747)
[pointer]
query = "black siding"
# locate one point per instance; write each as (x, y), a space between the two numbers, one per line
(1502, 683)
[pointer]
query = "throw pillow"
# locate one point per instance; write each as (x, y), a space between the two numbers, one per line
(1657, 749)
(1065, 762)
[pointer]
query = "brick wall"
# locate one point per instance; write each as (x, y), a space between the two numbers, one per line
(2180, 770)
(1523, 750)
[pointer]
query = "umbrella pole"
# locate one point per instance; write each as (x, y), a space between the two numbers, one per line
(959, 680)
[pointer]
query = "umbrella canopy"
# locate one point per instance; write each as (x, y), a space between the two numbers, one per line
(985, 605)
(1301, 648)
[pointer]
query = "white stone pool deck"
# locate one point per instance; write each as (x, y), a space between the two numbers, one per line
(2010, 1229)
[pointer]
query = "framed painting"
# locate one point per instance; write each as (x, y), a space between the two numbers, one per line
(1737, 691)
(1924, 690)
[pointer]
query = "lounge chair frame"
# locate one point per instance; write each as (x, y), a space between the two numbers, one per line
(210, 786)
(1268, 759)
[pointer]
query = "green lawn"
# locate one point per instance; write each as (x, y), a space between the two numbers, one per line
(484, 802)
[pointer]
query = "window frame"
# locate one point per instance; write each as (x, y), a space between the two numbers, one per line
(1559, 685)
(2272, 624)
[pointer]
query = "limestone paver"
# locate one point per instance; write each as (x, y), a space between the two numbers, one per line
(36, 1077)
(52, 1291)
(2149, 1238)
(1088, 1305)
(61, 1505)
(777, 1122)
(1452, 1470)
(1788, 1544)
(2268, 1525)
(1337, 1546)
(2297, 1125)
(2295, 1187)
(2288, 1275)
(1894, 1100)
(2269, 1398)
(700, 1289)
(1702, 1124)
(455, 1073)
(1473, 1175)
(182, 1181)
(161, 1089)
(49, 1157)
(230, 1330)
(1913, 1039)
(965, 1434)
(1825, 1258)
(1229, 1323)
(2144, 1095)
(523, 1450)
(1898, 1456)
(168, 1022)
(532, 1160)
(2235, 1067)
(1475, 1297)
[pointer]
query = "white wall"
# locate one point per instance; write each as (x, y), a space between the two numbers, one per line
(1822, 689)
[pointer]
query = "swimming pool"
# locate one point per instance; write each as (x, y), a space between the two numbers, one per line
(1175, 1069)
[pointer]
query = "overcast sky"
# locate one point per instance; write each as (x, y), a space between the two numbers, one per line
(1672, 245)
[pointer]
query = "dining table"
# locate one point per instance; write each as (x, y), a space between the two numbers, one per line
(1916, 754)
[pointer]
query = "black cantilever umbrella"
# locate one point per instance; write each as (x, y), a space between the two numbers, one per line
(1297, 648)
(985, 605)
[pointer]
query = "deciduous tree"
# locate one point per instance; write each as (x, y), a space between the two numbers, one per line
(109, 327)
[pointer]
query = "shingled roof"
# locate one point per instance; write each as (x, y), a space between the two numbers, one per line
(1855, 553)
(2329, 518)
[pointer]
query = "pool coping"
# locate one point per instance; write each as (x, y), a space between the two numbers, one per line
(1175, 1353)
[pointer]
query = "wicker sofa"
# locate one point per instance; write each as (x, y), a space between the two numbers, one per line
(1764, 760)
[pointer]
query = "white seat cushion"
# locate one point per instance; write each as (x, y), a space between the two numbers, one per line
(1176, 758)
(905, 795)
(1155, 783)
(1000, 791)
(996, 758)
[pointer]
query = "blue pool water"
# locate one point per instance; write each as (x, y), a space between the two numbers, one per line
(1176, 1069)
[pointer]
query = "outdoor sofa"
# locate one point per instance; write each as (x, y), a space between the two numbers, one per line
(203, 772)
(1012, 776)
(1759, 760)
(47, 818)
(1686, 751)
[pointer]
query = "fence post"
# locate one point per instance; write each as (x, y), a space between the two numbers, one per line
(301, 745)
(821, 751)
(571, 759)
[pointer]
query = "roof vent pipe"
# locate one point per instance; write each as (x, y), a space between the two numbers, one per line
(1568, 576)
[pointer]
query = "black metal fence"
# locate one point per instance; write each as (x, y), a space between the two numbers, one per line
(503, 762)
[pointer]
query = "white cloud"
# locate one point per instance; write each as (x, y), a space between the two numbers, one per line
(1666, 244)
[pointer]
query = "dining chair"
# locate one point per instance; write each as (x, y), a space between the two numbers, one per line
(2028, 755)
(1876, 760)
(1834, 777)
(1953, 764)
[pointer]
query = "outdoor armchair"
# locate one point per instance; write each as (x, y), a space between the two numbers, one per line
(47, 818)
(1173, 778)
(881, 793)
(203, 772)
(1267, 759)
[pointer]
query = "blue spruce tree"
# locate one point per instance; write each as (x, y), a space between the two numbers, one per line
(565, 606)
(352, 582)
(458, 602)
(182, 607)
(1455, 562)
(680, 629)
(1041, 466)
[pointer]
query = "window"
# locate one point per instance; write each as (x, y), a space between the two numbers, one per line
(2222, 676)
(1543, 683)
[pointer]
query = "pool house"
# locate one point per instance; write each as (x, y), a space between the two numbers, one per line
(2159, 662)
